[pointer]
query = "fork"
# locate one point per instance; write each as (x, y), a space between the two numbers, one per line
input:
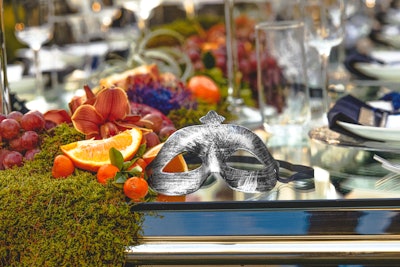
(388, 165)
(389, 182)
(392, 180)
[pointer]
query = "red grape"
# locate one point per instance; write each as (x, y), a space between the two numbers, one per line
(33, 121)
(16, 144)
(152, 139)
(166, 131)
(9, 128)
(16, 115)
(3, 154)
(30, 140)
(30, 154)
(2, 117)
(14, 158)
(155, 119)
(49, 125)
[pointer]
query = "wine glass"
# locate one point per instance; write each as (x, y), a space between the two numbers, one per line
(340, 73)
(34, 27)
(5, 104)
(142, 9)
(323, 20)
(243, 114)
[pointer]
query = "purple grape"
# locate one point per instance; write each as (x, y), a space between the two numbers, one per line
(30, 154)
(12, 159)
(29, 140)
(33, 121)
(9, 128)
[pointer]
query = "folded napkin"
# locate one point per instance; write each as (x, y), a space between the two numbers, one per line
(352, 110)
(356, 57)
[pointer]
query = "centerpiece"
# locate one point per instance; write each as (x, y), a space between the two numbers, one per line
(69, 178)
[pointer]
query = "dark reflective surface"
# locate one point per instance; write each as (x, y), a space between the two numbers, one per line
(281, 218)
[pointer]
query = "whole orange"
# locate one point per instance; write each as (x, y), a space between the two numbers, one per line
(62, 167)
(204, 88)
(136, 188)
(106, 172)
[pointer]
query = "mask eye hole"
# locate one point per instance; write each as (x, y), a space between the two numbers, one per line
(244, 160)
(183, 162)
(192, 160)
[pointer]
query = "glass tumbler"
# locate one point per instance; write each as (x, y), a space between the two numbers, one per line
(283, 91)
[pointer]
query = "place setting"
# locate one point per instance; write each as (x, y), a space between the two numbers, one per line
(372, 125)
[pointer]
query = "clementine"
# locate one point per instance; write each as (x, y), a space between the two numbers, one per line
(106, 172)
(62, 167)
(136, 188)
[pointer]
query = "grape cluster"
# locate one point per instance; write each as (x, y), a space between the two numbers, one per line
(19, 137)
(160, 129)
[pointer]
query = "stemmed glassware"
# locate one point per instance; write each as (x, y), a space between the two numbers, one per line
(5, 104)
(242, 113)
(340, 73)
(323, 20)
(142, 9)
(34, 27)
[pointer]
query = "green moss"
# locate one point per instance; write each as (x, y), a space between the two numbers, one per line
(62, 222)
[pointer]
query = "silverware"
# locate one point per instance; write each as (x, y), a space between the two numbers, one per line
(388, 165)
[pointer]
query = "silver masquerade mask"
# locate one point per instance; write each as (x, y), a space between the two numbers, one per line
(215, 143)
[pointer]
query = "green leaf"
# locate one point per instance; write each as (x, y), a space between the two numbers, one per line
(141, 150)
(126, 165)
(120, 178)
(137, 170)
(116, 158)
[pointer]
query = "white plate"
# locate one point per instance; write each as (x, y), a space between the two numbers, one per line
(374, 133)
(388, 56)
(380, 71)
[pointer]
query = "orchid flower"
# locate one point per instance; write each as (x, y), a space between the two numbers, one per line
(108, 114)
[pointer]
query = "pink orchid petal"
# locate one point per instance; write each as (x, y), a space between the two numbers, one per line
(112, 104)
(87, 120)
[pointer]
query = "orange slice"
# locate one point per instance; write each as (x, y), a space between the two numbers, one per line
(91, 154)
(177, 164)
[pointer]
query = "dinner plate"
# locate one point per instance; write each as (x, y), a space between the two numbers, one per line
(386, 72)
(388, 56)
(374, 133)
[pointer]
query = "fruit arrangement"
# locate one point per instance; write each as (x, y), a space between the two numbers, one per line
(120, 136)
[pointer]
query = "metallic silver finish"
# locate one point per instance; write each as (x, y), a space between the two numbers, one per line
(265, 249)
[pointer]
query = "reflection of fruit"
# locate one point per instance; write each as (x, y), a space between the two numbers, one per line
(62, 167)
(136, 188)
(91, 154)
(106, 172)
(204, 88)
(177, 164)
(164, 198)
